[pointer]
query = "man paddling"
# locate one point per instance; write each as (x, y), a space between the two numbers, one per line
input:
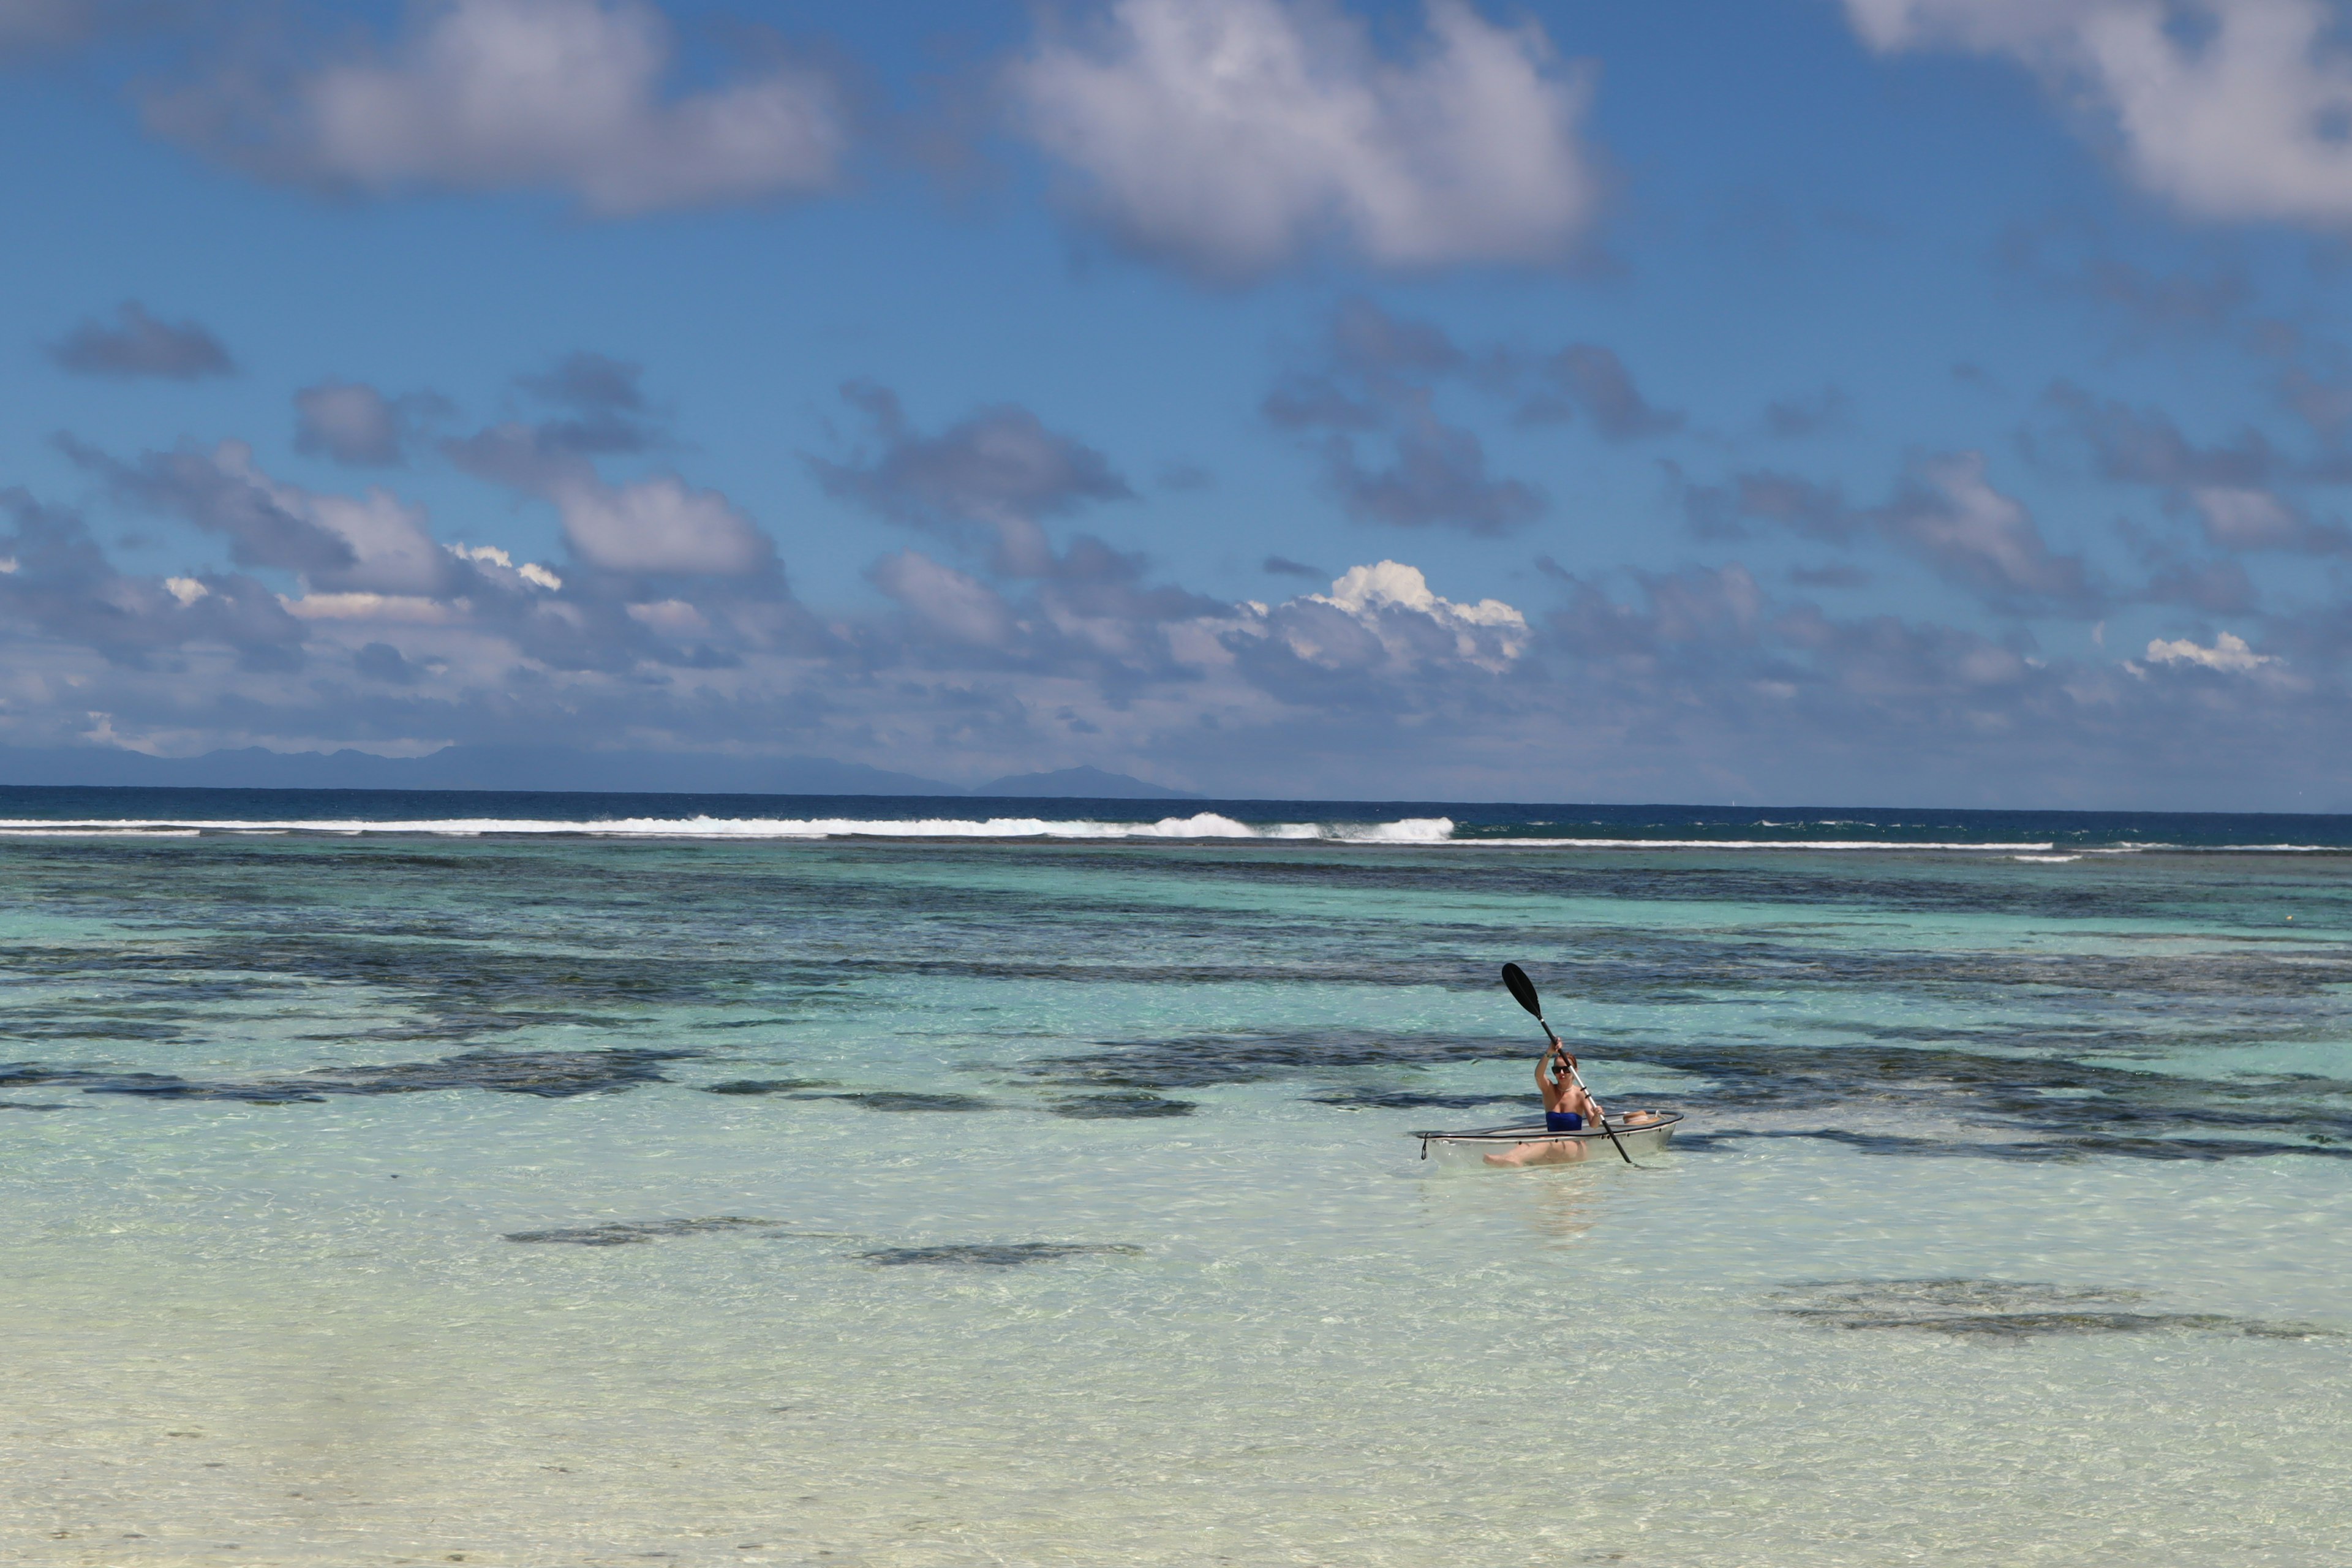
(1568, 1107)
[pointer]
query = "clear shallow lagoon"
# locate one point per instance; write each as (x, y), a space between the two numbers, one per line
(2007, 1225)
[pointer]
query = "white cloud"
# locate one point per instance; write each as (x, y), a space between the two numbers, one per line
(2230, 108)
(1977, 536)
(656, 525)
(391, 549)
(1386, 612)
(411, 609)
(673, 615)
(187, 590)
(1232, 135)
(2241, 519)
(2229, 654)
(945, 600)
(530, 572)
(567, 94)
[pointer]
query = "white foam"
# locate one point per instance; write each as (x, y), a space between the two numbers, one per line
(94, 830)
(1748, 844)
(1206, 824)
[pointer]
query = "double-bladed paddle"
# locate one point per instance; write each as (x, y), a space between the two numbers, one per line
(1524, 990)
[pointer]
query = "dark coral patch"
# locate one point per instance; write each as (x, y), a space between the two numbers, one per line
(635, 1232)
(894, 1100)
(1120, 1107)
(2006, 1310)
(992, 1254)
(548, 1075)
(766, 1085)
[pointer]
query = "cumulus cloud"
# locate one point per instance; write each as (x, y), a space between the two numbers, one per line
(1698, 607)
(568, 95)
(137, 344)
(653, 526)
(657, 525)
(1375, 399)
(1950, 515)
(1367, 400)
(943, 601)
(2230, 109)
(2229, 655)
(370, 544)
(998, 466)
(1233, 136)
(382, 662)
(1593, 380)
(606, 401)
(357, 426)
(1396, 604)
(599, 410)
(59, 585)
(2235, 490)
(1436, 475)
(1945, 511)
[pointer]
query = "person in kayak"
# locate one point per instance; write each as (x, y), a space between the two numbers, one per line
(1568, 1108)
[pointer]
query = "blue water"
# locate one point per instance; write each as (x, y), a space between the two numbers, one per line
(573, 1179)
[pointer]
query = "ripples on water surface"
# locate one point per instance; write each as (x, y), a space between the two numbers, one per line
(580, 1200)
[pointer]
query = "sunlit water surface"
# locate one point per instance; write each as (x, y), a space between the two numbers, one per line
(2007, 1225)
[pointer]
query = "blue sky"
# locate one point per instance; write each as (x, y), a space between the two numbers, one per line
(1927, 401)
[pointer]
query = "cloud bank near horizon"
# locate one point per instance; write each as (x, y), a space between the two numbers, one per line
(1010, 640)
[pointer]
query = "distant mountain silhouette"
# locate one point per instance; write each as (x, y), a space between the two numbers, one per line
(1080, 784)
(555, 768)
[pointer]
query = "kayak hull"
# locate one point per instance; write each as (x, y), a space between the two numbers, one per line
(1643, 1133)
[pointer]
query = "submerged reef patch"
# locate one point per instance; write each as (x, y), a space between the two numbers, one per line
(548, 1075)
(1199, 1061)
(767, 1085)
(895, 1099)
(992, 1254)
(2005, 1309)
(635, 1232)
(1409, 1100)
(1116, 1107)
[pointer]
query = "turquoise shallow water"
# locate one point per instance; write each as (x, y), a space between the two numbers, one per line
(2006, 1226)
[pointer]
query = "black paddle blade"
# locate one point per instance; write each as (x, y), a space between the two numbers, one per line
(1523, 988)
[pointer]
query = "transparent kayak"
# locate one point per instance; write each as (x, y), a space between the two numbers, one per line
(1643, 1132)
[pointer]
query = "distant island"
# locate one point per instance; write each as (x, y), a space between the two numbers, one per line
(543, 768)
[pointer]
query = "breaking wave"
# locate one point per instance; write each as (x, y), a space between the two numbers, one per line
(1206, 824)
